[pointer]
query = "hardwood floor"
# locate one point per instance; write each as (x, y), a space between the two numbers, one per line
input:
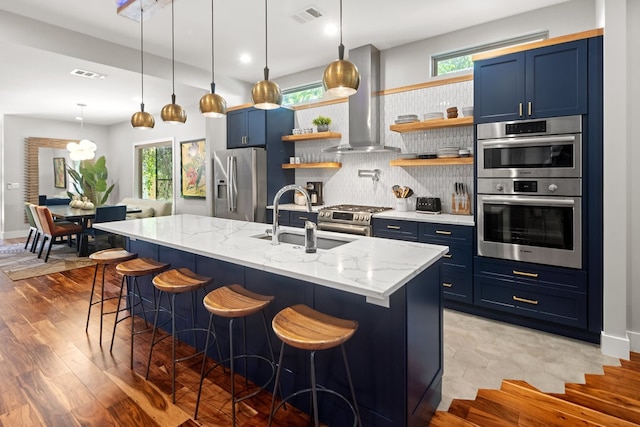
(52, 373)
(611, 399)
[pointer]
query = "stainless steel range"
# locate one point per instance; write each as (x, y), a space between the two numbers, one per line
(351, 219)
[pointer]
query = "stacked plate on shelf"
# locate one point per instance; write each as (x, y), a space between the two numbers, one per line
(446, 152)
(406, 118)
(434, 115)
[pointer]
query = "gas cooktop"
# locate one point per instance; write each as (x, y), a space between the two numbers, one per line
(356, 208)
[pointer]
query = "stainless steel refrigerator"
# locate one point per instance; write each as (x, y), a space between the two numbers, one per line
(240, 184)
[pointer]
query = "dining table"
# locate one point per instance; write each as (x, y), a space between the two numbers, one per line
(81, 216)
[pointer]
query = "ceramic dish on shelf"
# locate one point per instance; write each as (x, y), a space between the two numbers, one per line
(464, 153)
(405, 156)
(448, 156)
(467, 111)
(432, 116)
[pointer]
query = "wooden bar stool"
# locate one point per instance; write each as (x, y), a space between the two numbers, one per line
(131, 270)
(171, 283)
(102, 259)
(234, 302)
(307, 329)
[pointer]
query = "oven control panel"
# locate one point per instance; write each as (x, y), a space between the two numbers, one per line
(531, 187)
(357, 218)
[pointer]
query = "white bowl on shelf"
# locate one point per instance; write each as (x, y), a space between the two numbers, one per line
(467, 111)
(433, 115)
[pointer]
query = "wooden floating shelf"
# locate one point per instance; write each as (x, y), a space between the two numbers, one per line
(312, 136)
(326, 165)
(432, 124)
(433, 162)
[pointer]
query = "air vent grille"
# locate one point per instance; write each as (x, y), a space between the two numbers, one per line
(307, 14)
(88, 74)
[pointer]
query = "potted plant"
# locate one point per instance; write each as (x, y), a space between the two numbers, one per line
(90, 180)
(322, 123)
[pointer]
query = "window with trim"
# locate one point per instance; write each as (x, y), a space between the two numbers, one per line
(300, 94)
(460, 60)
(156, 171)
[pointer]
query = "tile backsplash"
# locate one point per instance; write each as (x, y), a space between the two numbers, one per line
(344, 186)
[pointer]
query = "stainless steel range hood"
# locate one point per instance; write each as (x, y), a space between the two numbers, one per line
(364, 106)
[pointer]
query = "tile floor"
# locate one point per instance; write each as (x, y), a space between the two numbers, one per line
(480, 353)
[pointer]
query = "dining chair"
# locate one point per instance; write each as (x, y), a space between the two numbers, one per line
(33, 228)
(104, 214)
(51, 230)
(36, 220)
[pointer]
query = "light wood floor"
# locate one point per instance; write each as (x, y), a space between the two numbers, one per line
(52, 373)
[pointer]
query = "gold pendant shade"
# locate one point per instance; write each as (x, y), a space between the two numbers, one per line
(213, 105)
(341, 78)
(173, 113)
(266, 94)
(142, 120)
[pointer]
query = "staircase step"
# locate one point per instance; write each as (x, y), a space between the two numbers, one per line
(613, 384)
(602, 401)
(445, 419)
(634, 357)
(634, 365)
(525, 391)
(533, 412)
(622, 372)
(467, 409)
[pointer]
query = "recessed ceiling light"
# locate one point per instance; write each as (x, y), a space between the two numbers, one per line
(330, 29)
(245, 58)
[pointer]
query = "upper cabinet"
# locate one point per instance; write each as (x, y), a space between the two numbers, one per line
(544, 82)
(246, 128)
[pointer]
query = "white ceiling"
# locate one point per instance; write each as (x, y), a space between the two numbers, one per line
(37, 57)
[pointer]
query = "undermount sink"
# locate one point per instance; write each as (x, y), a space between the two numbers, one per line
(298, 239)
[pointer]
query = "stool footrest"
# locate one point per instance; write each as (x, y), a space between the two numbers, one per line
(319, 389)
(247, 356)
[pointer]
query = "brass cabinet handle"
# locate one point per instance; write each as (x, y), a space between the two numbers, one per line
(304, 218)
(524, 273)
(529, 108)
(520, 109)
(448, 285)
(528, 301)
(443, 232)
(393, 227)
(446, 256)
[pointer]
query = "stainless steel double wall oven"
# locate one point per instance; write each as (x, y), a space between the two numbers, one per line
(529, 202)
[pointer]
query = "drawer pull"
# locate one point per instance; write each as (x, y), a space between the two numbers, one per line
(447, 256)
(448, 285)
(303, 218)
(448, 233)
(393, 227)
(524, 273)
(528, 301)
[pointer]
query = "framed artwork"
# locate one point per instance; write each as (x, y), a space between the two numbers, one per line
(59, 173)
(192, 168)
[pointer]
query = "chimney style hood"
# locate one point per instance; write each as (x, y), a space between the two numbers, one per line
(364, 106)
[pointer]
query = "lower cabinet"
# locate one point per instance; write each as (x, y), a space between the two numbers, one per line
(395, 229)
(297, 218)
(283, 217)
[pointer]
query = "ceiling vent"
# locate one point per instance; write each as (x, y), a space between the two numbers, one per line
(307, 14)
(88, 74)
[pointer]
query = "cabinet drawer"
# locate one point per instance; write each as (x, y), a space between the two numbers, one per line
(445, 232)
(558, 306)
(283, 217)
(534, 274)
(458, 255)
(393, 229)
(456, 283)
(297, 219)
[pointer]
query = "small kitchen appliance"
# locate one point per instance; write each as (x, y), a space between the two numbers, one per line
(429, 205)
(315, 192)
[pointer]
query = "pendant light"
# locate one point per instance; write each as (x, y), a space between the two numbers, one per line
(341, 77)
(85, 149)
(142, 120)
(212, 104)
(266, 94)
(173, 113)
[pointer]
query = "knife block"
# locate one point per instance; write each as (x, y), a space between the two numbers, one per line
(460, 204)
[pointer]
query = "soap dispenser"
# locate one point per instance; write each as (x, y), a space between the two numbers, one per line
(310, 237)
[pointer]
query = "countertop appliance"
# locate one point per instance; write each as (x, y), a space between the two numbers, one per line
(351, 219)
(240, 184)
(529, 191)
(314, 189)
(430, 205)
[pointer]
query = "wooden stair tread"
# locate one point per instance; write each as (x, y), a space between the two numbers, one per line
(622, 372)
(445, 419)
(537, 397)
(467, 410)
(631, 364)
(613, 384)
(603, 401)
(634, 357)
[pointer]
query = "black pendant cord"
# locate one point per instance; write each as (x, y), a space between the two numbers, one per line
(341, 46)
(266, 44)
(213, 85)
(173, 58)
(141, 57)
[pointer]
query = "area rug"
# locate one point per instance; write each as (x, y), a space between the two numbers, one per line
(18, 263)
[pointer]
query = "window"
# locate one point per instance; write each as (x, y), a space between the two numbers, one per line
(300, 94)
(460, 60)
(156, 171)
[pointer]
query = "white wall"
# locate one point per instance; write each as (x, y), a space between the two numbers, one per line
(15, 130)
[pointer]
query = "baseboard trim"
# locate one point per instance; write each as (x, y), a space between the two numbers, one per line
(634, 339)
(15, 234)
(615, 346)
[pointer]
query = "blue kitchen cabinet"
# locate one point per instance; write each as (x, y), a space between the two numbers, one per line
(545, 82)
(456, 272)
(283, 217)
(246, 128)
(395, 229)
(297, 218)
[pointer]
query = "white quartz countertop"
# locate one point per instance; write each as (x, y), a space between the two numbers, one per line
(367, 266)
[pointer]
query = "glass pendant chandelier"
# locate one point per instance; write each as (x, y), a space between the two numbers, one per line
(266, 94)
(142, 120)
(212, 104)
(85, 149)
(173, 113)
(341, 77)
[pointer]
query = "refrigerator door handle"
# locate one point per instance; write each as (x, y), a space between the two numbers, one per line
(232, 186)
